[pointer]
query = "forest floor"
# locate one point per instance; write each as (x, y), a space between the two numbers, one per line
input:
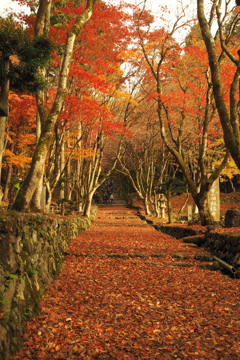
(128, 292)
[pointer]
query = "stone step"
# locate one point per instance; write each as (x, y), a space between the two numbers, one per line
(112, 204)
(117, 217)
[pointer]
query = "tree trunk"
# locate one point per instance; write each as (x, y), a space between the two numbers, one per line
(146, 206)
(7, 185)
(203, 208)
(4, 93)
(79, 203)
(201, 201)
(34, 176)
(62, 166)
(87, 204)
(184, 204)
(2, 136)
(37, 197)
(156, 205)
(232, 186)
(229, 120)
(48, 197)
(169, 204)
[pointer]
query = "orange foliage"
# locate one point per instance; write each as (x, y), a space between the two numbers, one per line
(21, 136)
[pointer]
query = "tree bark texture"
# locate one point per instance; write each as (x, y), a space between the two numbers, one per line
(4, 92)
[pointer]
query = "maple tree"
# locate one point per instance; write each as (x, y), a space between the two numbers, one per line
(48, 120)
(143, 158)
(222, 45)
(89, 88)
(20, 139)
(183, 98)
(20, 55)
(88, 121)
(88, 157)
(94, 85)
(139, 162)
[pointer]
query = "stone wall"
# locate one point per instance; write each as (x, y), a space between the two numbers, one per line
(180, 231)
(31, 254)
(225, 246)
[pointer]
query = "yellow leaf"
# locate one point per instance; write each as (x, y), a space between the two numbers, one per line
(58, 347)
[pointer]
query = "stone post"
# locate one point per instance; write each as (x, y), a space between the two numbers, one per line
(214, 200)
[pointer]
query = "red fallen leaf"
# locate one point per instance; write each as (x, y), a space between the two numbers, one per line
(95, 326)
(29, 343)
(165, 310)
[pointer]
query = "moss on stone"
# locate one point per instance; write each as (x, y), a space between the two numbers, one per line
(31, 257)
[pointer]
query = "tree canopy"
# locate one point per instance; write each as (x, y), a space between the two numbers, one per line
(96, 81)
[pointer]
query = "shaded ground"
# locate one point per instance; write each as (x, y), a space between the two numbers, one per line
(127, 291)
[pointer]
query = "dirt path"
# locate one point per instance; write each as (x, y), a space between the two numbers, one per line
(126, 292)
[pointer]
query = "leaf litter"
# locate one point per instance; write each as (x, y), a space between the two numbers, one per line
(121, 296)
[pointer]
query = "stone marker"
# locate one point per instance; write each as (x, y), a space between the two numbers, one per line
(232, 218)
(214, 200)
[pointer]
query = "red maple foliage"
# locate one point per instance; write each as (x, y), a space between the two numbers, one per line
(124, 294)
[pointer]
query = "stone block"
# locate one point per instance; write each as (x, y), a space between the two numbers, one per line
(232, 218)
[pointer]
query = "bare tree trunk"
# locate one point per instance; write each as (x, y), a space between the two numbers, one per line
(87, 204)
(184, 204)
(232, 186)
(156, 205)
(146, 206)
(62, 166)
(37, 195)
(7, 185)
(4, 92)
(204, 212)
(2, 136)
(34, 176)
(69, 186)
(169, 204)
